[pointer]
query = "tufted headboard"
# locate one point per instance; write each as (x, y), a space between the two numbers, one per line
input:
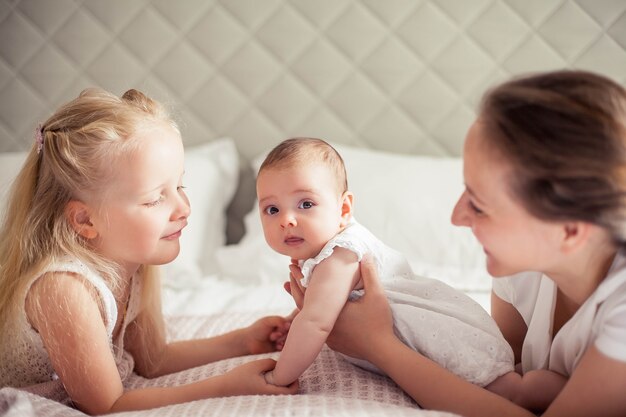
(397, 75)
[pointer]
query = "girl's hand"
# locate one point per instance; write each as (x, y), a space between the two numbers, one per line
(267, 334)
(250, 379)
(364, 321)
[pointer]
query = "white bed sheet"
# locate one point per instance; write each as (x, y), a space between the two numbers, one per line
(213, 295)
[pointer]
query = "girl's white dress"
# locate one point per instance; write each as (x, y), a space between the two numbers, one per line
(430, 317)
(26, 363)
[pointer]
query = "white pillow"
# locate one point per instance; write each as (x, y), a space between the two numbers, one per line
(211, 177)
(10, 165)
(405, 200)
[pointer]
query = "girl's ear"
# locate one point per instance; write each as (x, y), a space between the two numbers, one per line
(347, 201)
(78, 215)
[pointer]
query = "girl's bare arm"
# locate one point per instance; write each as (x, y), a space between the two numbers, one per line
(61, 307)
(260, 337)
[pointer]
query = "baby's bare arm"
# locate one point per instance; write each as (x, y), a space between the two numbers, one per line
(329, 288)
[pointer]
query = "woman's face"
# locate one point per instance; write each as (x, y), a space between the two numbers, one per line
(513, 240)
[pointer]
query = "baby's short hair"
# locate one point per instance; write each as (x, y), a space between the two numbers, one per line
(300, 151)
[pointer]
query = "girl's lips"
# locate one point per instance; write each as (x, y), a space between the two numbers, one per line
(176, 234)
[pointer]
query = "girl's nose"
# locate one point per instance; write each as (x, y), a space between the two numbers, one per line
(182, 209)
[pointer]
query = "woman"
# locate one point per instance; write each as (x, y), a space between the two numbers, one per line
(545, 175)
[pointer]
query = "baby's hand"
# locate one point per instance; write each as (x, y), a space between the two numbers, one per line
(250, 378)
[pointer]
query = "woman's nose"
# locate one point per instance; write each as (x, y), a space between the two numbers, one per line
(460, 215)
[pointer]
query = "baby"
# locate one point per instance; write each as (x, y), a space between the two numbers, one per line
(306, 213)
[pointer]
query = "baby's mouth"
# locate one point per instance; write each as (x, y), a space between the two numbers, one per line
(293, 240)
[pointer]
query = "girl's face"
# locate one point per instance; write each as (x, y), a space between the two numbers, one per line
(513, 240)
(301, 209)
(144, 207)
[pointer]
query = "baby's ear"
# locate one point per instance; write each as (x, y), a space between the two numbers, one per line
(347, 202)
(78, 215)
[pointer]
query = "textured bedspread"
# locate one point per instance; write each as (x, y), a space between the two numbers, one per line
(330, 387)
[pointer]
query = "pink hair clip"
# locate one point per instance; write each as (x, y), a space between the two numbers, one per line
(39, 139)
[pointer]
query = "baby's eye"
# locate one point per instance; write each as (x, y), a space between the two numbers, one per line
(306, 205)
(271, 210)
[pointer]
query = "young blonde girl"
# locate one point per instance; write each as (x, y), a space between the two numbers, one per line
(306, 213)
(99, 202)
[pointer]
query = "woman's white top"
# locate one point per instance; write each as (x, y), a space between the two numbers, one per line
(600, 321)
(430, 317)
(26, 363)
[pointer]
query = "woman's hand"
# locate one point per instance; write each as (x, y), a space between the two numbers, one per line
(364, 321)
(250, 379)
(294, 287)
(267, 334)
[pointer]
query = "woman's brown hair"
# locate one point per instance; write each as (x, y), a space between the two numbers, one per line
(565, 134)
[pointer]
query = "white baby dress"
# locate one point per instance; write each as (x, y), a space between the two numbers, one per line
(430, 317)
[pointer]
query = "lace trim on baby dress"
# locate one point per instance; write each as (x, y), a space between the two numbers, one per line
(342, 240)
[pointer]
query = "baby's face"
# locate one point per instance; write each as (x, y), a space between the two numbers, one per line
(300, 208)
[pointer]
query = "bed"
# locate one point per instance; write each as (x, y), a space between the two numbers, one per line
(393, 86)
(212, 288)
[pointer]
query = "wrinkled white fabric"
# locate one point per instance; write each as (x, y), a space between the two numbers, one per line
(431, 317)
(26, 364)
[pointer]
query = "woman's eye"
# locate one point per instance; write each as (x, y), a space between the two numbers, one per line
(474, 208)
(306, 205)
(271, 210)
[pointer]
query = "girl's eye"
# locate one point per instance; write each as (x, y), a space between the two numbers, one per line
(306, 205)
(271, 210)
(181, 188)
(155, 202)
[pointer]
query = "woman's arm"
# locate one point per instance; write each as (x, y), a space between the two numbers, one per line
(511, 324)
(62, 308)
(329, 288)
(364, 329)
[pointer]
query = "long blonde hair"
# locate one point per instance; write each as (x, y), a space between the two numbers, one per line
(72, 157)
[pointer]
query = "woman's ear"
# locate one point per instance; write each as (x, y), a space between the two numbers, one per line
(347, 201)
(78, 215)
(574, 235)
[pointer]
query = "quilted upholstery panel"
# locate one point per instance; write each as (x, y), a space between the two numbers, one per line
(403, 75)
(400, 75)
